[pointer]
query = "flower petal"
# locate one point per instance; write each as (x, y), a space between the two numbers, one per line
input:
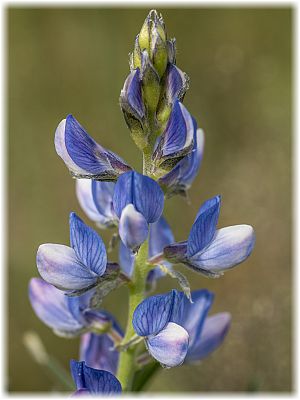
(51, 306)
(102, 193)
(230, 246)
(170, 345)
(177, 139)
(214, 331)
(86, 201)
(176, 83)
(153, 313)
(141, 191)
(131, 99)
(88, 245)
(94, 380)
(126, 259)
(133, 228)
(97, 352)
(59, 265)
(160, 236)
(203, 229)
(83, 156)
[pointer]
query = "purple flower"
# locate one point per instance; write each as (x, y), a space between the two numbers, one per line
(68, 316)
(178, 331)
(131, 99)
(77, 267)
(211, 251)
(83, 156)
(181, 177)
(93, 381)
(138, 201)
(176, 84)
(96, 200)
(176, 141)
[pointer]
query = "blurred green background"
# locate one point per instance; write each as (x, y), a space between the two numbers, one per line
(69, 60)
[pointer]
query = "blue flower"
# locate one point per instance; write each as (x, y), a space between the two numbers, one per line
(176, 141)
(138, 201)
(83, 156)
(96, 200)
(211, 251)
(181, 177)
(160, 235)
(77, 267)
(93, 381)
(176, 84)
(131, 99)
(69, 316)
(98, 352)
(177, 331)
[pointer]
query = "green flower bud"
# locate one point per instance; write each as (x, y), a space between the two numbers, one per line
(150, 84)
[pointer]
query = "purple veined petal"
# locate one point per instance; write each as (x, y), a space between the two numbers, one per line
(94, 380)
(59, 265)
(176, 83)
(133, 228)
(83, 156)
(80, 392)
(131, 95)
(230, 246)
(214, 331)
(97, 352)
(79, 305)
(153, 314)
(88, 245)
(170, 345)
(177, 140)
(141, 191)
(102, 193)
(204, 227)
(50, 305)
(194, 314)
(86, 201)
(126, 259)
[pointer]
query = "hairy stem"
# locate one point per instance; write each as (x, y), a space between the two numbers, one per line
(136, 287)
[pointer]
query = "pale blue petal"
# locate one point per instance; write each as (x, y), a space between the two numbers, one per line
(59, 265)
(141, 191)
(97, 352)
(86, 201)
(230, 246)
(160, 236)
(133, 228)
(153, 313)
(87, 245)
(102, 193)
(126, 259)
(170, 345)
(51, 306)
(203, 229)
(214, 331)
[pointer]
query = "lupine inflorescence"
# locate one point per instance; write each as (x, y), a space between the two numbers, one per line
(163, 329)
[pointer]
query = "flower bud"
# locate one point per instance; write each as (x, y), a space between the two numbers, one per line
(150, 83)
(152, 39)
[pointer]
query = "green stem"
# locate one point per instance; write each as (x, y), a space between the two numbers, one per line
(136, 287)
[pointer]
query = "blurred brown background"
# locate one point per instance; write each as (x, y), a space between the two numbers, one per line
(68, 60)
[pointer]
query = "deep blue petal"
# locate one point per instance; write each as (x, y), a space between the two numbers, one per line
(141, 191)
(59, 265)
(177, 138)
(87, 245)
(126, 259)
(133, 228)
(214, 331)
(51, 306)
(176, 252)
(82, 155)
(204, 227)
(97, 352)
(170, 345)
(94, 380)
(131, 95)
(153, 313)
(176, 83)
